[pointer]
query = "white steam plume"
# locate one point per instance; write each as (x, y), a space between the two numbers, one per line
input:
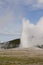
(32, 35)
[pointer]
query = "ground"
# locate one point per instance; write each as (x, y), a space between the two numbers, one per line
(17, 56)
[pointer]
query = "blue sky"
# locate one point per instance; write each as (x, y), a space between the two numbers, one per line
(12, 13)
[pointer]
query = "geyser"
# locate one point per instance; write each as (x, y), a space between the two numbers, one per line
(32, 35)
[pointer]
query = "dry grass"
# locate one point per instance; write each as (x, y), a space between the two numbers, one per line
(31, 56)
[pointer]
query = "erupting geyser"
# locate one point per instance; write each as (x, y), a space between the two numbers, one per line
(24, 37)
(32, 35)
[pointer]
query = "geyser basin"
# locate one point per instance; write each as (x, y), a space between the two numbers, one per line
(32, 35)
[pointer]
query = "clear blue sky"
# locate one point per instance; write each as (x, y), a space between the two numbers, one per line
(12, 13)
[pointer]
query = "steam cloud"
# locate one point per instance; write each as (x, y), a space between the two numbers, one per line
(32, 34)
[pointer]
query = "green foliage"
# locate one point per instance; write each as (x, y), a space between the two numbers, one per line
(11, 44)
(14, 43)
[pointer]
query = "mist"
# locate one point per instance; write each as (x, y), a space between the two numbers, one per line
(32, 35)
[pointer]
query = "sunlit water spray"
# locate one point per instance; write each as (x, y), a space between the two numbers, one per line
(32, 35)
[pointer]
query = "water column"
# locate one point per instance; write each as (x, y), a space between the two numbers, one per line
(24, 36)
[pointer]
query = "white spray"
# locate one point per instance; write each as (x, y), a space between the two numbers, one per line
(32, 35)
